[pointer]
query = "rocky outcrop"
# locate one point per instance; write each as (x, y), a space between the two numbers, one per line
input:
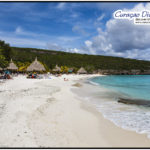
(134, 101)
(113, 72)
(135, 72)
(146, 72)
(124, 72)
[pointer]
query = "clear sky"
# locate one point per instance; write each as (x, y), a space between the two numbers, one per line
(80, 27)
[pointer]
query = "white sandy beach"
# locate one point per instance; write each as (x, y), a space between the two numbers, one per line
(46, 113)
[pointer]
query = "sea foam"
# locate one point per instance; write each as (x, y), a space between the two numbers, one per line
(129, 117)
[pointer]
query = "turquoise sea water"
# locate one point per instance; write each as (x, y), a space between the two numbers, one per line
(134, 86)
(112, 87)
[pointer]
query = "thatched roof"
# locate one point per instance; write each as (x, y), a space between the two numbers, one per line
(12, 66)
(81, 71)
(36, 66)
(56, 69)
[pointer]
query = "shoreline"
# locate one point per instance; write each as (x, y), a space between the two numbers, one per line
(117, 136)
(46, 113)
(127, 138)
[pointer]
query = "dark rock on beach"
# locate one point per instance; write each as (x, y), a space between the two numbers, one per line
(134, 101)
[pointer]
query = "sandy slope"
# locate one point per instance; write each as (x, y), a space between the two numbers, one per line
(45, 112)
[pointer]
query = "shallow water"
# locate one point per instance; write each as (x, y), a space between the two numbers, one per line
(103, 92)
(135, 86)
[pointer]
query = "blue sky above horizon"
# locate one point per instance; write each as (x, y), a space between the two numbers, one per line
(80, 27)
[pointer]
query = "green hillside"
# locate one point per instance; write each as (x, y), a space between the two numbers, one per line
(24, 56)
(90, 62)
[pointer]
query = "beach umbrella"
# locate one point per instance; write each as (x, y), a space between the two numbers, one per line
(82, 71)
(36, 66)
(70, 70)
(7, 72)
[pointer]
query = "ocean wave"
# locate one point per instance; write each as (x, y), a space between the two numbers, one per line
(93, 83)
(133, 118)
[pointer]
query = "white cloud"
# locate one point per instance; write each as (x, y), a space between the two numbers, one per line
(23, 42)
(101, 17)
(65, 39)
(61, 6)
(74, 15)
(73, 50)
(88, 43)
(78, 29)
(124, 35)
(25, 38)
(14, 40)
(122, 38)
(54, 46)
(20, 31)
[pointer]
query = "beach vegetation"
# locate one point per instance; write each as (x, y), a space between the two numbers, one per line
(3, 62)
(90, 68)
(22, 66)
(64, 69)
(5, 50)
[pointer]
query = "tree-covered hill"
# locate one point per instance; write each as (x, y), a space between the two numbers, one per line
(49, 58)
(90, 62)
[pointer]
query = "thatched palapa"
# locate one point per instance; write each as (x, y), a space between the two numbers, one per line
(12, 66)
(56, 69)
(36, 66)
(82, 71)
